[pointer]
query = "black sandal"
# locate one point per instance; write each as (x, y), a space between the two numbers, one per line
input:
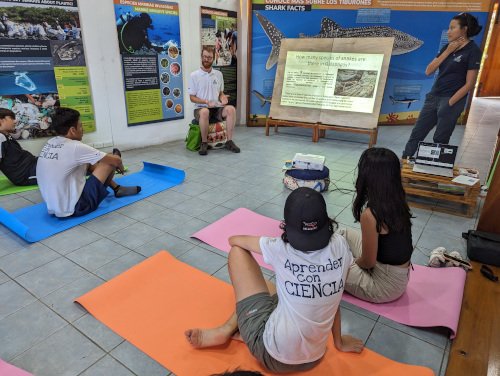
(488, 273)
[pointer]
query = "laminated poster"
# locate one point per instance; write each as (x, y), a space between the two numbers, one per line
(150, 48)
(42, 64)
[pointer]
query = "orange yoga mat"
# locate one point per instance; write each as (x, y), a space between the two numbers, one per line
(152, 304)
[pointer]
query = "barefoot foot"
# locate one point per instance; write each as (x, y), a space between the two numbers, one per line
(200, 338)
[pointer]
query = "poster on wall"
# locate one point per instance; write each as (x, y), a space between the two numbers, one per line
(218, 30)
(419, 30)
(42, 64)
(150, 49)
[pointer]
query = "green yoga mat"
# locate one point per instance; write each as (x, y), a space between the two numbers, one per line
(7, 188)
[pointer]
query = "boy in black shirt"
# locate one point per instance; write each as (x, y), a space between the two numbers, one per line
(16, 163)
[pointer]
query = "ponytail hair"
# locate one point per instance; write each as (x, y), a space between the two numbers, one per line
(467, 19)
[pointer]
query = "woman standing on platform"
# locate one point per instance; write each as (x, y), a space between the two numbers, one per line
(458, 64)
(383, 249)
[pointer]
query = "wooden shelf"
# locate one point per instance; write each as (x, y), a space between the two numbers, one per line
(460, 201)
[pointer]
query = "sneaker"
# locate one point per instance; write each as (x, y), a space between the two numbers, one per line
(203, 149)
(230, 145)
(436, 259)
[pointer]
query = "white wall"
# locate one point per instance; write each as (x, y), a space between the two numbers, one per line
(106, 80)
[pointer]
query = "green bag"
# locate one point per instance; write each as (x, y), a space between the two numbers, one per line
(193, 138)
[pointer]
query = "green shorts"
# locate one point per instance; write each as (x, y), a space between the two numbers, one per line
(253, 313)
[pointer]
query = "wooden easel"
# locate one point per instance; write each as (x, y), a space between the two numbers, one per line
(343, 115)
(319, 129)
(373, 133)
(270, 122)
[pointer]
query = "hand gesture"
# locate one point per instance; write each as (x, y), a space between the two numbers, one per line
(211, 104)
(455, 45)
(350, 344)
(223, 99)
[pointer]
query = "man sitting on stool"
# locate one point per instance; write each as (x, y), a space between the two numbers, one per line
(206, 91)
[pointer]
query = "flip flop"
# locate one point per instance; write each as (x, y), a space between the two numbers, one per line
(488, 273)
(454, 258)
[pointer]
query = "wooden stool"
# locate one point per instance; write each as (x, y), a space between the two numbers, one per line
(420, 185)
(217, 136)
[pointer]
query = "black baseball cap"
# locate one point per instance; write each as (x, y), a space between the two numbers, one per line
(307, 224)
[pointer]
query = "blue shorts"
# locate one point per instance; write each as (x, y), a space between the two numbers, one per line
(92, 195)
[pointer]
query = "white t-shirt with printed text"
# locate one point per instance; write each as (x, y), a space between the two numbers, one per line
(61, 170)
(309, 287)
(206, 85)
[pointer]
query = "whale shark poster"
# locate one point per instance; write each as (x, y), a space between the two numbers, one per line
(150, 48)
(419, 32)
(42, 65)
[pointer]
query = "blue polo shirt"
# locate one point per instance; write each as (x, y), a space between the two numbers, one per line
(453, 70)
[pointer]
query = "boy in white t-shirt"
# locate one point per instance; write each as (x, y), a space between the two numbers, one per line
(64, 163)
(288, 332)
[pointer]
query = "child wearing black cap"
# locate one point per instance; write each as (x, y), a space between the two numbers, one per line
(286, 327)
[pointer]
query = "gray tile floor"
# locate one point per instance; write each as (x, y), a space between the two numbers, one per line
(44, 332)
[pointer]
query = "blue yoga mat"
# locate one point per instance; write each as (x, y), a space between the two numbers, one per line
(33, 223)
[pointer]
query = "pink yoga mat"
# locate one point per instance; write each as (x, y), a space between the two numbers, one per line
(433, 296)
(7, 369)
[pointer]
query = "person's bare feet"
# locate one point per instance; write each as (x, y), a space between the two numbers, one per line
(201, 338)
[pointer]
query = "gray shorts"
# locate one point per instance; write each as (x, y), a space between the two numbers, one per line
(215, 115)
(253, 313)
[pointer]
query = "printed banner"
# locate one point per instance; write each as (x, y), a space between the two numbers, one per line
(150, 48)
(418, 26)
(218, 30)
(42, 64)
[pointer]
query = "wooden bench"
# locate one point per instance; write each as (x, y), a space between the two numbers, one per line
(319, 129)
(476, 349)
(430, 187)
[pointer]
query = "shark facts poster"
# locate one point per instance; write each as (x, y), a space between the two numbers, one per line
(419, 29)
